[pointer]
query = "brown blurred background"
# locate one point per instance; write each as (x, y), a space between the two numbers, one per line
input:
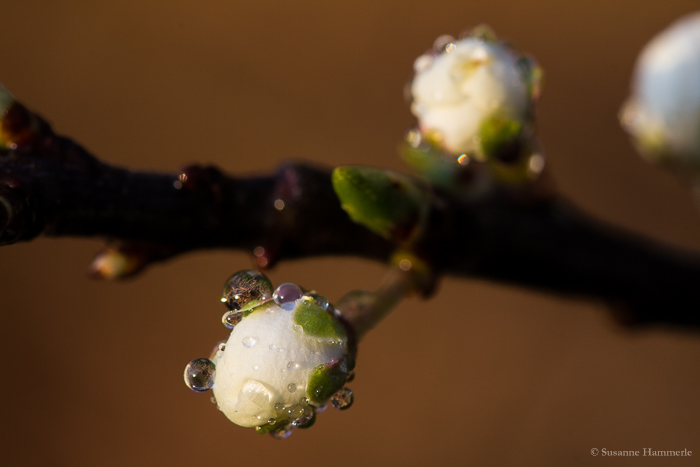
(482, 374)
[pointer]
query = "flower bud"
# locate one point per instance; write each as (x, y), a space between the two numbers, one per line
(663, 113)
(475, 96)
(288, 355)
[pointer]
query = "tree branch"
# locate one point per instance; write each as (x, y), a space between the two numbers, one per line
(50, 185)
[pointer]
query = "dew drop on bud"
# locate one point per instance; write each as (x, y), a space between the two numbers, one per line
(443, 43)
(342, 399)
(249, 341)
(282, 432)
(199, 374)
(245, 288)
(291, 387)
(306, 420)
(287, 293)
(296, 411)
(231, 318)
(322, 302)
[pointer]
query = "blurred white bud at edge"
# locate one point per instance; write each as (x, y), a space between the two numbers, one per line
(663, 113)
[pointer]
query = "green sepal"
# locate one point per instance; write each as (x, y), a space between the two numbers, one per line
(324, 381)
(500, 139)
(430, 162)
(317, 322)
(264, 429)
(388, 203)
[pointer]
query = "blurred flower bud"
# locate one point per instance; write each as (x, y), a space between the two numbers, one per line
(475, 96)
(663, 113)
(288, 355)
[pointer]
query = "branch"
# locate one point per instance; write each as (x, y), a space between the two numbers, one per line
(50, 185)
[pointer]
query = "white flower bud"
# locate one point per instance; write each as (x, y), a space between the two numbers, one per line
(663, 113)
(287, 355)
(269, 360)
(470, 84)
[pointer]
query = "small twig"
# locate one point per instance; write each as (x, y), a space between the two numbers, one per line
(50, 185)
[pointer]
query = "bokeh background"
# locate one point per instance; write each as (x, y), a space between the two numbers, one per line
(483, 374)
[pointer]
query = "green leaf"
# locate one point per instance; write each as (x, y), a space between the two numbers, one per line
(388, 203)
(317, 322)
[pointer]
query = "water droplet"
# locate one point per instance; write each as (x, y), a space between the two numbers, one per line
(231, 318)
(256, 367)
(271, 421)
(449, 48)
(347, 364)
(322, 408)
(297, 327)
(296, 411)
(281, 432)
(249, 342)
(199, 374)
(248, 287)
(217, 348)
(279, 204)
(287, 293)
(342, 399)
(291, 387)
(441, 43)
(306, 420)
(293, 366)
(322, 302)
(279, 406)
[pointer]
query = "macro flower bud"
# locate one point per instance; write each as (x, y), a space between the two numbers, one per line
(288, 355)
(663, 113)
(474, 96)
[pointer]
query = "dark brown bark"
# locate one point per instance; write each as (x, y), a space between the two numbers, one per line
(49, 185)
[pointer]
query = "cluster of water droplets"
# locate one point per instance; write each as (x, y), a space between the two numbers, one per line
(300, 415)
